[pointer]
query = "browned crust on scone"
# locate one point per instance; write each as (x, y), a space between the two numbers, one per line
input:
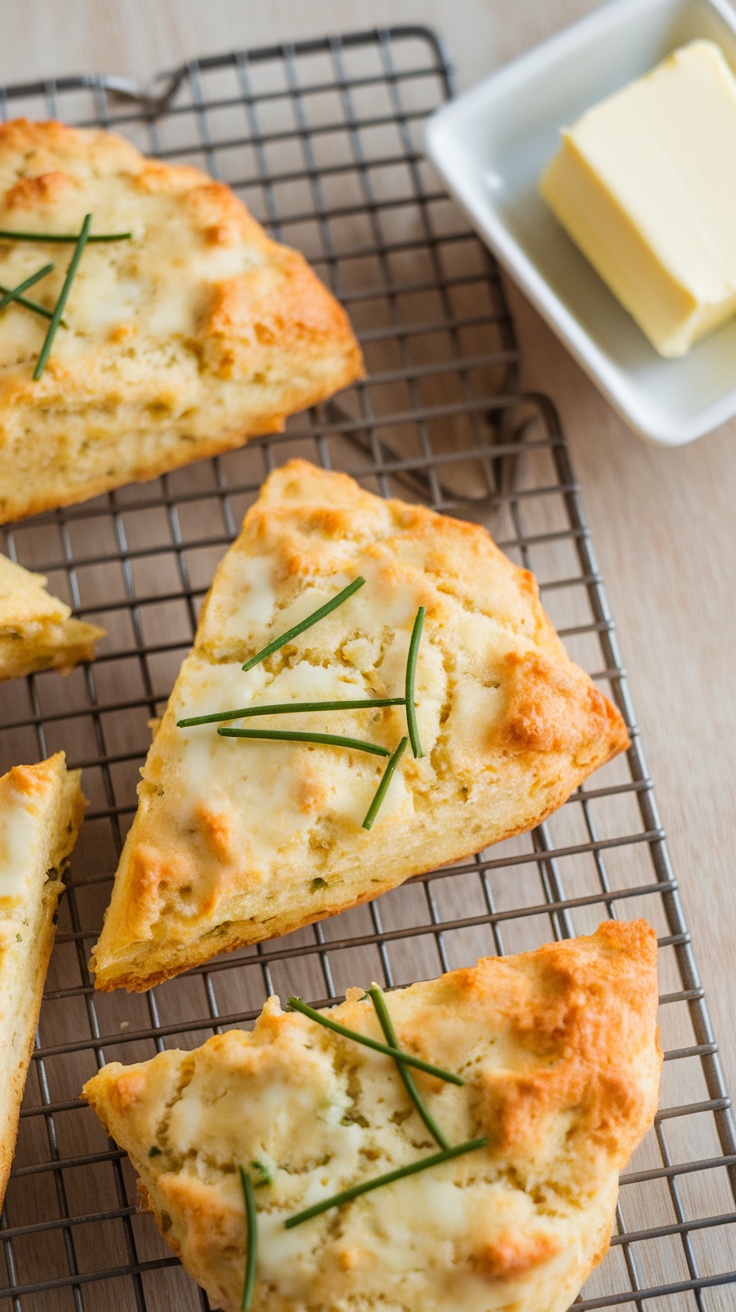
(515, 727)
(17, 1077)
(37, 630)
(142, 472)
(230, 333)
(560, 1057)
(62, 649)
(55, 788)
(238, 935)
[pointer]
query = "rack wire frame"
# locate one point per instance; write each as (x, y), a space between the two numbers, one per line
(322, 139)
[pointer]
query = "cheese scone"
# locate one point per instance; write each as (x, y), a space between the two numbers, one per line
(183, 341)
(36, 629)
(41, 810)
(560, 1058)
(239, 841)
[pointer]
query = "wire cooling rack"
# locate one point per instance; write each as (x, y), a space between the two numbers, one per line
(322, 140)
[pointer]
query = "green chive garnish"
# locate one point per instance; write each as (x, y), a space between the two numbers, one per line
(31, 305)
(379, 1002)
(291, 736)
(264, 1171)
(6, 234)
(251, 1239)
(63, 297)
(382, 788)
(406, 1058)
(305, 624)
(283, 708)
(412, 1168)
(411, 665)
(13, 293)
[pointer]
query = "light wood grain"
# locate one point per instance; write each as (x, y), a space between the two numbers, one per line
(662, 521)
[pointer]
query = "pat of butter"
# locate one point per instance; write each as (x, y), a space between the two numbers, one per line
(645, 184)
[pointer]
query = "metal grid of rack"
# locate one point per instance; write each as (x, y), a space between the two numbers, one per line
(323, 142)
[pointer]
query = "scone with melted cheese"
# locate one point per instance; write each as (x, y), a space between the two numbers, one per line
(194, 335)
(236, 841)
(560, 1059)
(36, 629)
(41, 810)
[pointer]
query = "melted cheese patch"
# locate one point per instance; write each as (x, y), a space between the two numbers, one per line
(253, 601)
(400, 1227)
(21, 831)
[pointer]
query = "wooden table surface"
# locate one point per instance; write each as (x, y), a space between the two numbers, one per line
(662, 520)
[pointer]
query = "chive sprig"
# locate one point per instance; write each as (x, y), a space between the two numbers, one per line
(411, 669)
(82, 240)
(11, 294)
(251, 1239)
(401, 1059)
(363, 703)
(286, 708)
(375, 993)
(29, 304)
(304, 624)
(7, 234)
(406, 1058)
(382, 788)
(366, 1186)
(293, 736)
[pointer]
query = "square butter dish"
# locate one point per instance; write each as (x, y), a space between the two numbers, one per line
(492, 144)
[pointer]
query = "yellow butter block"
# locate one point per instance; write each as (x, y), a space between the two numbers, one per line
(645, 184)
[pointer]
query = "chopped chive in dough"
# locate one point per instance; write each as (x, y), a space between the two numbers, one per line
(317, 884)
(264, 1171)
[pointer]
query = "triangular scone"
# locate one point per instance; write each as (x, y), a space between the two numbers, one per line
(559, 1052)
(238, 841)
(41, 810)
(183, 341)
(36, 629)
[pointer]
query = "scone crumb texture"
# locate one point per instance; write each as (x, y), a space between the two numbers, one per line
(194, 335)
(239, 839)
(560, 1059)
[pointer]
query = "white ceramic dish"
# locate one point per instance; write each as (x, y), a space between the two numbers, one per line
(491, 145)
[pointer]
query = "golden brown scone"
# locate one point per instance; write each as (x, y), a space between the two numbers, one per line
(195, 335)
(41, 809)
(559, 1052)
(239, 841)
(36, 629)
